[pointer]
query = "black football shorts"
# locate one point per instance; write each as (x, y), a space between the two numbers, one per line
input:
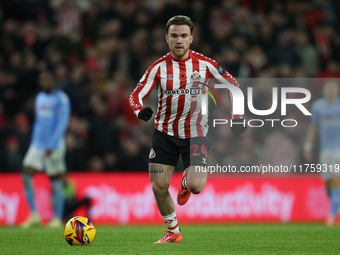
(166, 150)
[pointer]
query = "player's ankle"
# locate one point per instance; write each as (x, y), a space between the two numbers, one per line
(175, 231)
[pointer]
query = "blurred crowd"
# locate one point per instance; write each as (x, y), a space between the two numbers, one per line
(99, 49)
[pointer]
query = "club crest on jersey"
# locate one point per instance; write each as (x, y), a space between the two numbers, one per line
(195, 75)
(152, 153)
(182, 76)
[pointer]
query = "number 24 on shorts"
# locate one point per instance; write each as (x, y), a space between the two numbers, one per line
(194, 150)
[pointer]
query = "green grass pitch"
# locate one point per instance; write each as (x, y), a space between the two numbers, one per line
(197, 239)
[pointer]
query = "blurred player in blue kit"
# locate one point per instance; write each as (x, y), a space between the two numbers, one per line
(47, 148)
(325, 122)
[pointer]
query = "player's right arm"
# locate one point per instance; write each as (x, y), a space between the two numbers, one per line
(311, 134)
(143, 89)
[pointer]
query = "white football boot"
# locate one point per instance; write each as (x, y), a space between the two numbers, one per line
(32, 220)
(55, 223)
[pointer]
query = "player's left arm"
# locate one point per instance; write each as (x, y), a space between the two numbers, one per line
(217, 72)
(63, 116)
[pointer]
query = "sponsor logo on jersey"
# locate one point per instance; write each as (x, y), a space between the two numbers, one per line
(45, 111)
(195, 91)
(177, 92)
(169, 76)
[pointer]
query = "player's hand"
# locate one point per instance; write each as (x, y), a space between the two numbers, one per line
(145, 114)
(238, 128)
(48, 153)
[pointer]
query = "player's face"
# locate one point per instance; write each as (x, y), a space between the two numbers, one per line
(46, 82)
(331, 90)
(179, 39)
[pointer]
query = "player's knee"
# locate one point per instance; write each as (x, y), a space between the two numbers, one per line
(196, 189)
(56, 177)
(160, 188)
(195, 185)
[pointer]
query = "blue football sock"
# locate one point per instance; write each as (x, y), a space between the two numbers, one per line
(334, 201)
(58, 198)
(29, 191)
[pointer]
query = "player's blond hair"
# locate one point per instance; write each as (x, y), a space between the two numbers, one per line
(180, 20)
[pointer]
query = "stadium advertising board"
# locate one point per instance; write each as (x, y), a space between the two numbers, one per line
(223, 200)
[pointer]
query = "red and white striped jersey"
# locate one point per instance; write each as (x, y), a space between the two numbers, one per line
(177, 115)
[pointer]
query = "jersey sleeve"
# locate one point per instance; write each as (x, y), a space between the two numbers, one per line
(217, 72)
(63, 116)
(144, 87)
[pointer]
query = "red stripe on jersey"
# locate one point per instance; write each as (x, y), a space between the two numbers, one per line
(169, 86)
(157, 115)
(198, 124)
(193, 105)
(181, 98)
(159, 106)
